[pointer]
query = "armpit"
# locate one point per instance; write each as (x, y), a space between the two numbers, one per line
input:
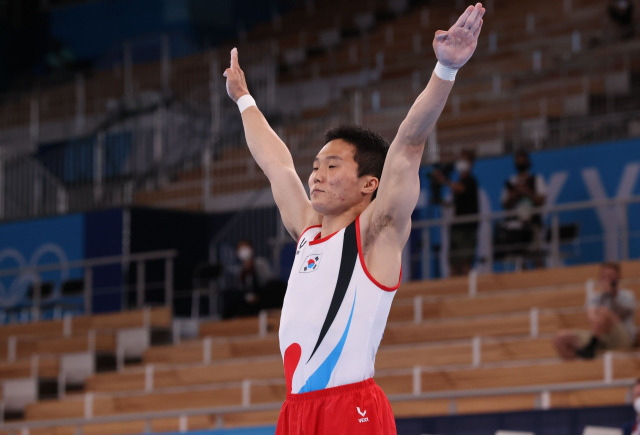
(377, 224)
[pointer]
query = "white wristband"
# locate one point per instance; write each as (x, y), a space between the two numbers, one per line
(245, 101)
(444, 72)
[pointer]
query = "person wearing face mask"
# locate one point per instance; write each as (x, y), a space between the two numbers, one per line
(524, 192)
(252, 278)
(463, 236)
(633, 428)
(611, 313)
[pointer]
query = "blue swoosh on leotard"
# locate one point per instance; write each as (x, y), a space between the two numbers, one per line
(320, 378)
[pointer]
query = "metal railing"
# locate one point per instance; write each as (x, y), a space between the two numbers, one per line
(551, 248)
(86, 269)
(543, 402)
(181, 122)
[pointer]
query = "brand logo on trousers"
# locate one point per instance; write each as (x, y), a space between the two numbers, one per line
(362, 414)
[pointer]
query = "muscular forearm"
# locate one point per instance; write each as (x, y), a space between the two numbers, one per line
(269, 152)
(424, 113)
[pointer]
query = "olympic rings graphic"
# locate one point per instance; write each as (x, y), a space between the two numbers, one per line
(19, 285)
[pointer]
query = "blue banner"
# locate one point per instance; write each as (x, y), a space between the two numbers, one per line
(34, 243)
(588, 173)
(61, 240)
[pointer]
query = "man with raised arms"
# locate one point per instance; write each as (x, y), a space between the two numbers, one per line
(350, 232)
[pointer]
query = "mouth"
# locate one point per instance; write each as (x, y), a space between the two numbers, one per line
(317, 191)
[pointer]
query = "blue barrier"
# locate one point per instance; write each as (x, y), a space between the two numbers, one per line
(587, 173)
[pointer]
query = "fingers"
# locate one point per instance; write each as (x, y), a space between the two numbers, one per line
(476, 31)
(471, 19)
(463, 17)
(473, 26)
(478, 19)
(234, 58)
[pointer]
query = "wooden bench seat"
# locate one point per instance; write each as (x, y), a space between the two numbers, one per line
(492, 350)
(158, 317)
(43, 367)
(539, 374)
(111, 405)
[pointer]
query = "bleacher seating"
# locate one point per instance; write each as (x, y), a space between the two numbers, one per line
(461, 343)
(498, 93)
(460, 338)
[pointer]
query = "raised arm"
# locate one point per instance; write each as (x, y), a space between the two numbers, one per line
(272, 155)
(399, 184)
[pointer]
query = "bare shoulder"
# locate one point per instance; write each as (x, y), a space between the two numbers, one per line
(312, 219)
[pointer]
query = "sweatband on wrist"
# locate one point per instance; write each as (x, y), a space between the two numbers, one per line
(444, 72)
(245, 101)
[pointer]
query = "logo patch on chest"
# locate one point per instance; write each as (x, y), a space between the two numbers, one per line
(311, 263)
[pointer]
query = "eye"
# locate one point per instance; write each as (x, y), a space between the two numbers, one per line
(315, 169)
(332, 166)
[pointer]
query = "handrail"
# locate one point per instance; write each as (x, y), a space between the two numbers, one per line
(494, 215)
(92, 262)
(425, 224)
(540, 389)
(88, 264)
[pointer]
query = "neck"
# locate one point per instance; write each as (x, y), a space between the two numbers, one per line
(333, 223)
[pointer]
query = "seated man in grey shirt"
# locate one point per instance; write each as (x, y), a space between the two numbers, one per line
(611, 313)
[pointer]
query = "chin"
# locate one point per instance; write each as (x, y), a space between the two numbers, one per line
(319, 207)
(326, 209)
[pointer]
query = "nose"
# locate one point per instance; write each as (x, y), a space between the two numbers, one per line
(318, 175)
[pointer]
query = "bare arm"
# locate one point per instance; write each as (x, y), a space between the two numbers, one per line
(399, 184)
(273, 157)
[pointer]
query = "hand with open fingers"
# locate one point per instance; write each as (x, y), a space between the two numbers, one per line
(455, 46)
(236, 83)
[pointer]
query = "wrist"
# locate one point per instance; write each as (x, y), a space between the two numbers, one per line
(444, 72)
(245, 101)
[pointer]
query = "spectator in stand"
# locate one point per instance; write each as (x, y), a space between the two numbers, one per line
(611, 313)
(254, 274)
(463, 236)
(633, 428)
(524, 192)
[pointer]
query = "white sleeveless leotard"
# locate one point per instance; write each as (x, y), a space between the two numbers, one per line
(334, 313)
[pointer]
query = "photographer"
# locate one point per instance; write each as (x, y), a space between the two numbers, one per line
(611, 313)
(463, 236)
(522, 234)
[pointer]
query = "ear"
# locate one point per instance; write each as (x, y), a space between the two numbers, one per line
(370, 184)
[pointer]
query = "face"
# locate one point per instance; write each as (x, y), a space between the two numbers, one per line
(521, 163)
(463, 166)
(334, 184)
(610, 278)
(244, 251)
(636, 391)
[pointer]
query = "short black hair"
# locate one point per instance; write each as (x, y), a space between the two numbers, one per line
(371, 148)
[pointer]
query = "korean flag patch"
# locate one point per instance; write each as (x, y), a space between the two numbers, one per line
(311, 263)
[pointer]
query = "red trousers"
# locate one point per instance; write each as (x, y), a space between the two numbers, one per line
(353, 409)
